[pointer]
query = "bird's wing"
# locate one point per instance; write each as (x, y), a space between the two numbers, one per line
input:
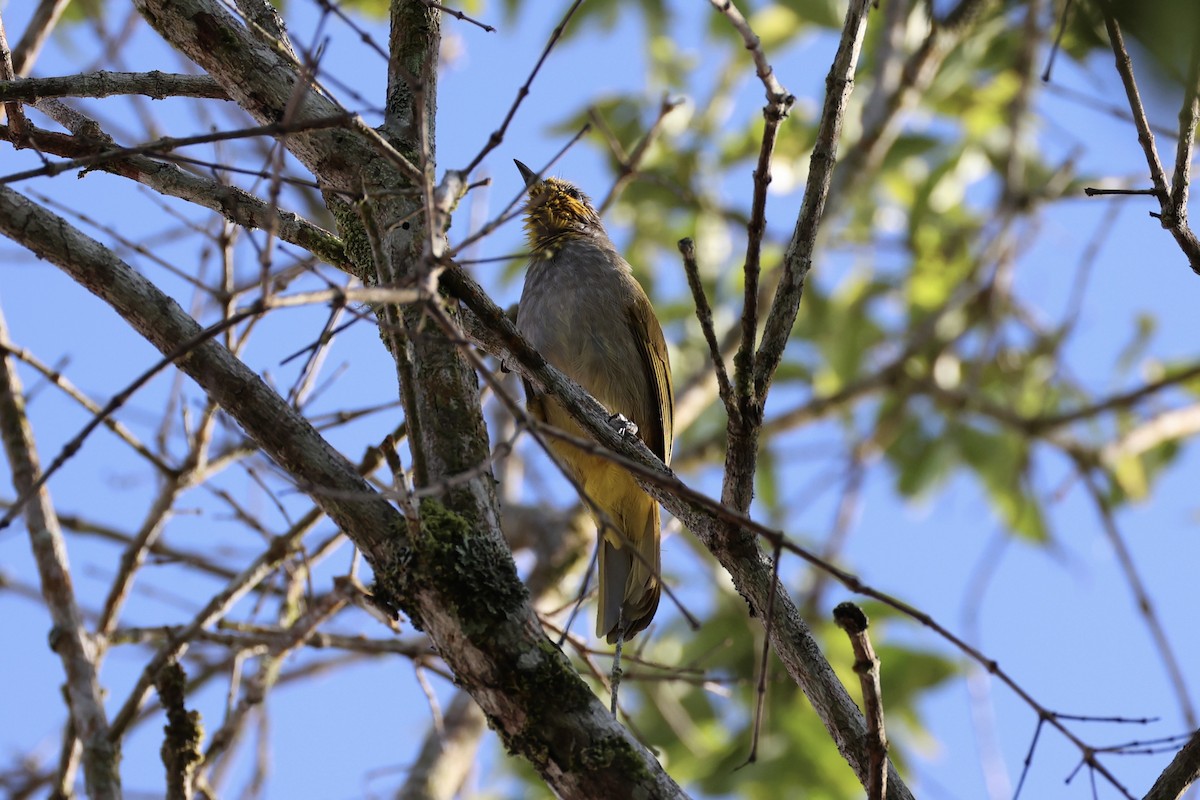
(656, 366)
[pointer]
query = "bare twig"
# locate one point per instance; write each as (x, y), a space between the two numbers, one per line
(167, 144)
(1141, 596)
(687, 249)
(458, 15)
(510, 211)
(1173, 217)
(135, 552)
(1062, 29)
(779, 102)
(628, 166)
(256, 687)
(497, 136)
(1092, 191)
(70, 640)
(764, 660)
(59, 380)
(853, 621)
(798, 258)
(45, 17)
(118, 400)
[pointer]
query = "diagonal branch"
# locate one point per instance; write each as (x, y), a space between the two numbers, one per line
(69, 639)
(1182, 772)
(797, 260)
(458, 581)
(497, 136)
(40, 27)
(1172, 216)
(779, 102)
(1189, 114)
(750, 568)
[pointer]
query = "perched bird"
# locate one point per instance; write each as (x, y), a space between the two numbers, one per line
(586, 313)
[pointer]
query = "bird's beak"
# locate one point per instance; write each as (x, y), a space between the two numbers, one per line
(530, 177)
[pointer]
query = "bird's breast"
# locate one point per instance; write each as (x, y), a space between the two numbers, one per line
(575, 311)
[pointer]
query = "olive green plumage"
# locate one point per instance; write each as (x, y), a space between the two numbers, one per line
(586, 313)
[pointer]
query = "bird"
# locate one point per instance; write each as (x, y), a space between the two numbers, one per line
(586, 313)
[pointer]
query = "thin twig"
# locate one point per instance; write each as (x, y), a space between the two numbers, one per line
(40, 27)
(1092, 191)
(510, 211)
(458, 15)
(628, 165)
(797, 259)
(779, 102)
(1173, 218)
(497, 136)
(687, 248)
(1062, 29)
(168, 143)
(70, 639)
(853, 621)
(118, 400)
(764, 661)
(1141, 596)
(59, 380)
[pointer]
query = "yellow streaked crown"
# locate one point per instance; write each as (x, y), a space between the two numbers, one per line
(556, 210)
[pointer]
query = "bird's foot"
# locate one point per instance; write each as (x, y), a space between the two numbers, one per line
(623, 425)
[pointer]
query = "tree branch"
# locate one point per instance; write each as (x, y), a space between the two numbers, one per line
(797, 260)
(747, 564)
(458, 581)
(154, 84)
(1182, 772)
(69, 638)
(1173, 217)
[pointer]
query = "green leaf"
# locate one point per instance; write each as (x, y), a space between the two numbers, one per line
(1000, 461)
(920, 458)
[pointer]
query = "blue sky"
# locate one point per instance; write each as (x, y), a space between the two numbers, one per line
(1060, 620)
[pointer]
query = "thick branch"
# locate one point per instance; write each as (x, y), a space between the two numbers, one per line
(1182, 772)
(154, 84)
(747, 564)
(457, 581)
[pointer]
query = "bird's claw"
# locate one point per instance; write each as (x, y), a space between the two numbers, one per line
(624, 426)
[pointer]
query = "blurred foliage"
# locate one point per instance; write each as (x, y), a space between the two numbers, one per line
(923, 292)
(1166, 30)
(705, 731)
(921, 311)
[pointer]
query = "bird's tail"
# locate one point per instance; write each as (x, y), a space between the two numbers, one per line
(630, 585)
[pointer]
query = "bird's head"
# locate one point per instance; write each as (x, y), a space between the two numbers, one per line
(557, 211)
